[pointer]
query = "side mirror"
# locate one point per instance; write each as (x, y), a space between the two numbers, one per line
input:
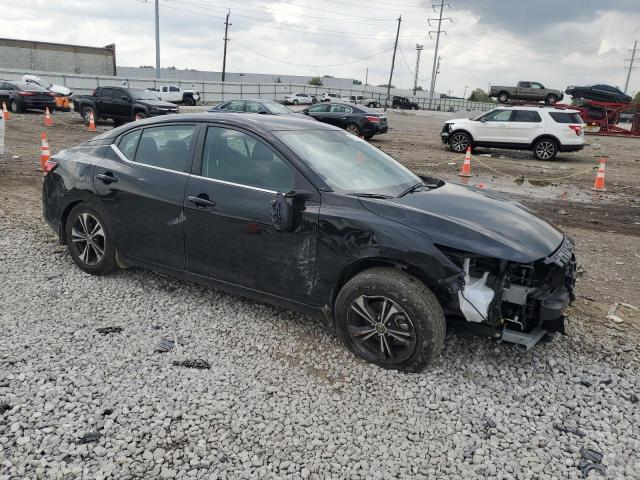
(263, 112)
(283, 206)
(305, 111)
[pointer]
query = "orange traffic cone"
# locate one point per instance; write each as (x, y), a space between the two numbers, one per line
(598, 185)
(48, 121)
(45, 152)
(466, 166)
(92, 123)
(5, 112)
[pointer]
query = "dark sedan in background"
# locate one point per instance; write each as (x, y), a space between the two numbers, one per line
(20, 96)
(307, 216)
(266, 107)
(355, 119)
(602, 93)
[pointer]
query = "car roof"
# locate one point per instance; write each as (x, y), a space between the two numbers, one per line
(548, 108)
(268, 123)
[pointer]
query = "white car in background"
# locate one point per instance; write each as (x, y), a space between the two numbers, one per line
(543, 130)
(298, 99)
(35, 80)
(332, 97)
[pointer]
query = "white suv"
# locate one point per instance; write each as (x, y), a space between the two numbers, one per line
(543, 130)
(298, 98)
(332, 97)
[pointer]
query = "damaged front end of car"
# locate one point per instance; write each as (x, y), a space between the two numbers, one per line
(520, 301)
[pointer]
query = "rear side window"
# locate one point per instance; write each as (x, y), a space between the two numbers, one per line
(165, 147)
(235, 106)
(174, 89)
(128, 144)
(106, 93)
(525, 116)
(319, 108)
(564, 117)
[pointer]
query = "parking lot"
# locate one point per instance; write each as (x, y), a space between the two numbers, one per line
(283, 398)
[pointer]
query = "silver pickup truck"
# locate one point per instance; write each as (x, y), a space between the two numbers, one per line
(525, 91)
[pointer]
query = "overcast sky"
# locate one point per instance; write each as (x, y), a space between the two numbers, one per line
(556, 42)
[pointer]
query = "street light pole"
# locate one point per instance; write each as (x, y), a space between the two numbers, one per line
(157, 38)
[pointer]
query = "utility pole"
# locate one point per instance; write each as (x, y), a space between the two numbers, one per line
(366, 79)
(633, 57)
(464, 95)
(157, 38)
(438, 9)
(415, 80)
(393, 62)
(226, 39)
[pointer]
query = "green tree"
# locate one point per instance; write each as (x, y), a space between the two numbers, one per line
(479, 95)
(384, 85)
(357, 82)
(636, 98)
(317, 81)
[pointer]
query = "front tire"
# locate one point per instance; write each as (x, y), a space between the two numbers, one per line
(140, 115)
(551, 99)
(89, 240)
(459, 142)
(391, 319)
(295, 102)
(86, 114)
(545, 149)
(503, 97)
(15, 107)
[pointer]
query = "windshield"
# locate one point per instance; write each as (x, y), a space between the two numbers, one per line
(142, 94)
(348, 164)
(276, 108)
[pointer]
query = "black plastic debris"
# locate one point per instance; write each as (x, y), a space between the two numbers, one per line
(633, 398)
(490, 422)
(468, 453)
(108, 330)
(586, 383)
(4, 407)
(68, 458)
(167, 344)
(195, 363)
(89, 437)
(107, 411)
(591, 455)
(591, 460)
(608, 381)
(568, 429)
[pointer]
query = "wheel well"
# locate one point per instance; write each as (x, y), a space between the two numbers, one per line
(461, 130)
(355, 268)
(63, 221)
(546, 135)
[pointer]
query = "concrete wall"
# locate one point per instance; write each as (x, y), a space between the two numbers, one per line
(57, 57)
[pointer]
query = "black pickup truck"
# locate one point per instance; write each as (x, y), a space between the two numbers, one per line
(121, 104)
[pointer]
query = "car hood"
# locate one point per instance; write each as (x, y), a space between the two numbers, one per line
(157, 103)
(472, 220)
(457, 120)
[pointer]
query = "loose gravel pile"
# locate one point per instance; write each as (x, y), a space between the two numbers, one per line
(282, 397)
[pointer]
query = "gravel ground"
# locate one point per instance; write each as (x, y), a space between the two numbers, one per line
(283, 398)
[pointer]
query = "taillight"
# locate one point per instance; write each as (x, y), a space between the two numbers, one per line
(93, 94)
(26, 94)
(576, 128)
(50, 166)
(51, 94)
(372, 118)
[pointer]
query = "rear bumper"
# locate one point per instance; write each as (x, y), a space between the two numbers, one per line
(38, 104)
(373, 129)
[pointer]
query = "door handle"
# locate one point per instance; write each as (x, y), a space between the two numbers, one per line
(106, 177)
(201, 201)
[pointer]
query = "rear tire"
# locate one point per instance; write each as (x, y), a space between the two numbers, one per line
(459, 142)
(86, 110)
(545, 149)
(189, 101)
(353, 128)
(89, 240)
(390, 318)
(295, 102)
(15, 107)
(503, 97)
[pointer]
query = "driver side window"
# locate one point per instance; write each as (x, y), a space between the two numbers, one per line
(498, 116)
(233, 156)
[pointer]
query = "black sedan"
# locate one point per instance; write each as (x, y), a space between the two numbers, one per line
(266, 107)
(307, 216)
(355, 119)
(20, 96)
(602, 93)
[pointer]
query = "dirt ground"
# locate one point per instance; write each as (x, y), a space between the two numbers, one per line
(605, 226)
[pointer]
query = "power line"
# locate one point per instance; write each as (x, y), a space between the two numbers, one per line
(434, 71)
(306, 65)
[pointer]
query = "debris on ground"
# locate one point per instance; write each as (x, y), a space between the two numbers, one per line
(107, 411)
(468, 453)
(89, 437)
(611, 314)
(108, 330)
(633, 398)
(490, 422)
(4, 407)
(487, 155)
(569, 429)
(196, 363)
(167, 343)
(591, 460)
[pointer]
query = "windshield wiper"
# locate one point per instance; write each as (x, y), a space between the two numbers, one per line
(369, 195)
(411, 189)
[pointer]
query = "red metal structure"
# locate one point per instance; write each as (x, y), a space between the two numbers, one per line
(606, 115)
